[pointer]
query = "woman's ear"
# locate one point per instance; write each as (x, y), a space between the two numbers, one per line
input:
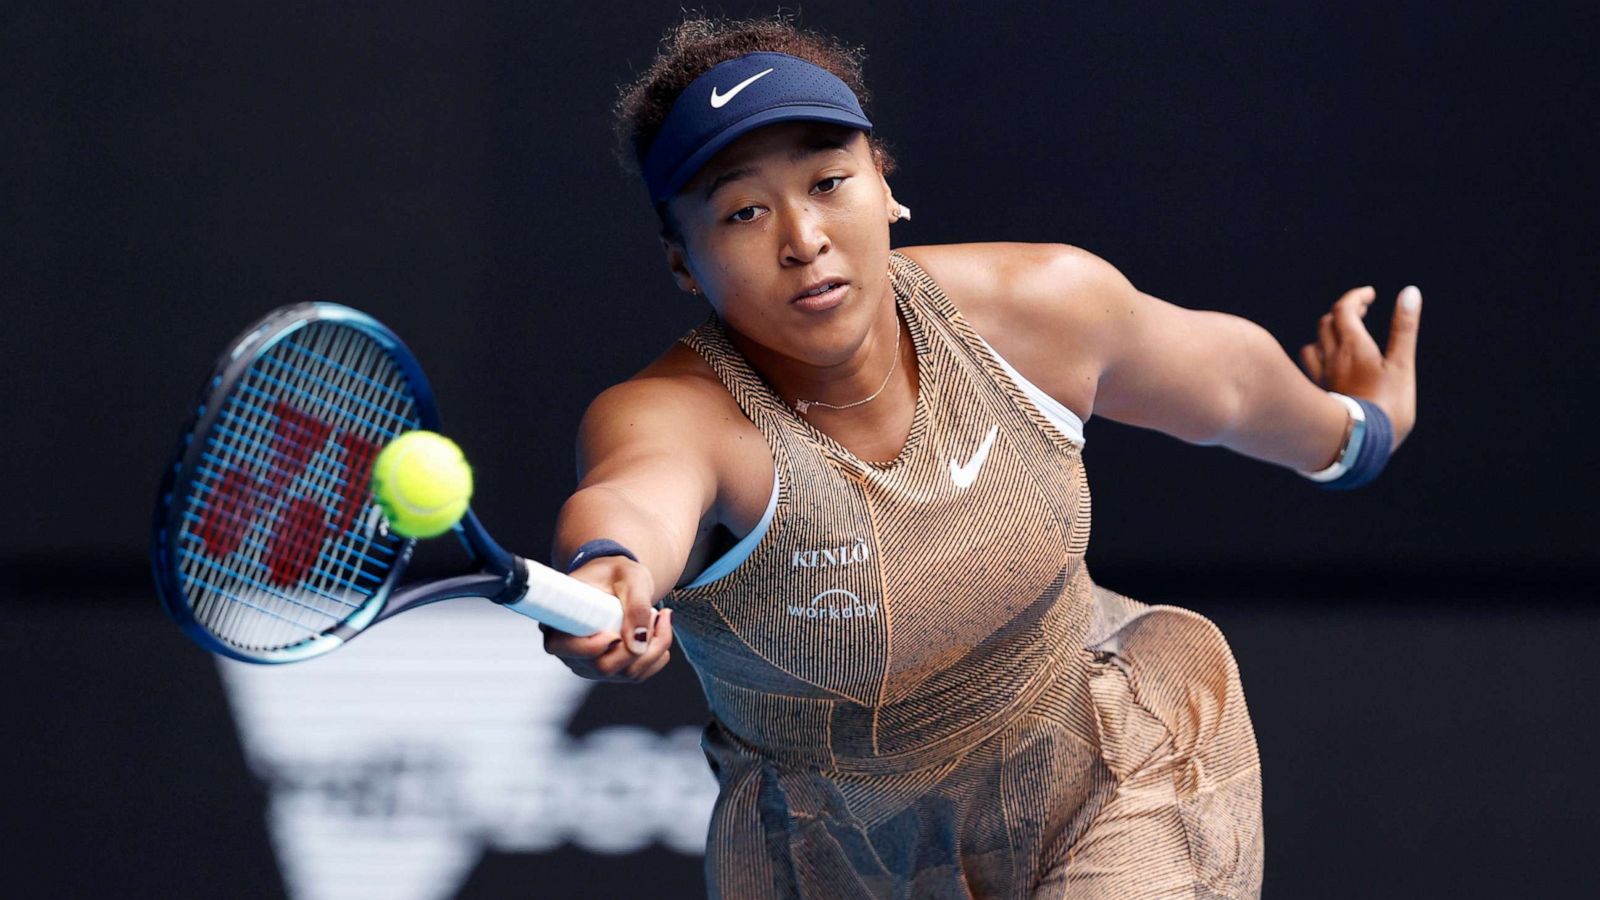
(678, 265)
(892, 207)
(897, 211)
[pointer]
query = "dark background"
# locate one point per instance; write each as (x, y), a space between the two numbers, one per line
(1415, 653)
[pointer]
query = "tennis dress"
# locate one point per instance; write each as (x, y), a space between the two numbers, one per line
(916, 689)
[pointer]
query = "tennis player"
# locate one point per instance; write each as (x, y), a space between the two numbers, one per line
(856, 497)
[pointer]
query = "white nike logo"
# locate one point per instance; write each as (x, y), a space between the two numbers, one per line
(965, 475)
(718, 101)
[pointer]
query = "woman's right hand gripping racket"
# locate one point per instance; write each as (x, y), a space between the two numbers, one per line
(268, 546)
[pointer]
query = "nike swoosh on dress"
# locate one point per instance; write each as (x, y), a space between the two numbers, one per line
(965, 475)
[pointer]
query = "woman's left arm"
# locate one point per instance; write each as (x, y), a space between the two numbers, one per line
(1215, 378)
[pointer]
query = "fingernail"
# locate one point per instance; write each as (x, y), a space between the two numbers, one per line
(639, 636)
(1410, 298)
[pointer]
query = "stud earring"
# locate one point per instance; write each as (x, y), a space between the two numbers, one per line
(901, 211)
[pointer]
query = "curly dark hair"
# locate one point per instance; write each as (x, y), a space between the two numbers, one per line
(699, 42)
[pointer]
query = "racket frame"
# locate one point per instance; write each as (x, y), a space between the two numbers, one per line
(503, 576)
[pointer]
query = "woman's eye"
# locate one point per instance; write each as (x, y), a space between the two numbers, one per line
(837, 179)
(741, 217)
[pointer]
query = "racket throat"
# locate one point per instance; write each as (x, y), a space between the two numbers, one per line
(503, 589)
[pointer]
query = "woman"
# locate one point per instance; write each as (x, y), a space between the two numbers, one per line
(916, 688)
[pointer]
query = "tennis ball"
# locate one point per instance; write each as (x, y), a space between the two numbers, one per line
(422, 483)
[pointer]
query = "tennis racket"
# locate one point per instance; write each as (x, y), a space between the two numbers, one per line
(267, 544)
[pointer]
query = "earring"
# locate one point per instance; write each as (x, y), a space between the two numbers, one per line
(695, 291)
(901, 211)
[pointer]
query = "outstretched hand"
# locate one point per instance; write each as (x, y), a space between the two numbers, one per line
(608, 656)
(1345, 358)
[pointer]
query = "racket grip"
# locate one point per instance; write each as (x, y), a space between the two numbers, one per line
(567, 604)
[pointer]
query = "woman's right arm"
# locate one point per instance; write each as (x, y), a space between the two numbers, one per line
(647, 480)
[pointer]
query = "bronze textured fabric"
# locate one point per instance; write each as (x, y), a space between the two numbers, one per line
(916, 689)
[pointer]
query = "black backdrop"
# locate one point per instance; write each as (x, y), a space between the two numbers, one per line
(171, 171)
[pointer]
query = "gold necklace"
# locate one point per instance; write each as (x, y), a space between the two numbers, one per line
(803, 405)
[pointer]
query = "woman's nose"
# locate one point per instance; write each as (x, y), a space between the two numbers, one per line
(804, 238)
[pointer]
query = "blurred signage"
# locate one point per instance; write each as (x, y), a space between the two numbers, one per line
(394, 763)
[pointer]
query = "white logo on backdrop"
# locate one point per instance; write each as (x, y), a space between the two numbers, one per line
(393, 764)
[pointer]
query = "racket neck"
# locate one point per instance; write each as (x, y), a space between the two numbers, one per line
(495, 557)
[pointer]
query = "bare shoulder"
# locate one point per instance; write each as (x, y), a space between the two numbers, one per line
(676, 401)
(675, 409)
(677, 384)
(1041, 306)
(1008, 278)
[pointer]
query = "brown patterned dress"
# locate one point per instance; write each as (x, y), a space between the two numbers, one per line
(917, 691)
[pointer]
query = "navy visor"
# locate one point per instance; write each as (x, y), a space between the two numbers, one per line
(735, 97)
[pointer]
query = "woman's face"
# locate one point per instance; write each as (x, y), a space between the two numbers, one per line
(776, 213)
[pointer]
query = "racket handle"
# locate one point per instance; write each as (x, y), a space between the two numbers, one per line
(567, 604)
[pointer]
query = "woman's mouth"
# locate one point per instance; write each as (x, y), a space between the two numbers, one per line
(825, 296)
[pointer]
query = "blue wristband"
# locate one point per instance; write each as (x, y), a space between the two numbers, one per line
(595, 549)
(1373, 453)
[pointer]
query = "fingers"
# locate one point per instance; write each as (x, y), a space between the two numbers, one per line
(1327, 342)
(633, 587)
(641, 650)
(621, 664)
(1345, 358)
(656, 653)
(1341, 337)
(1347, 314)
(570, 647)
(1311, 358)
(1402, 349)
(638, 613)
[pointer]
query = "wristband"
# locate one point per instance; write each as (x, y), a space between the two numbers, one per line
(1352, 442)
(595, 549)
(1366, 450)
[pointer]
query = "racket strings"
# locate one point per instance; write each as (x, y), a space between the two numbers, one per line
(280, 539)
(293, 522)
(245, 490)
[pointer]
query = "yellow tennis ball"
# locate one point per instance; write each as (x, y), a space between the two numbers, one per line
(422, 483)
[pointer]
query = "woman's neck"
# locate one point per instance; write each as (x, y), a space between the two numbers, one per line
(877, 387)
